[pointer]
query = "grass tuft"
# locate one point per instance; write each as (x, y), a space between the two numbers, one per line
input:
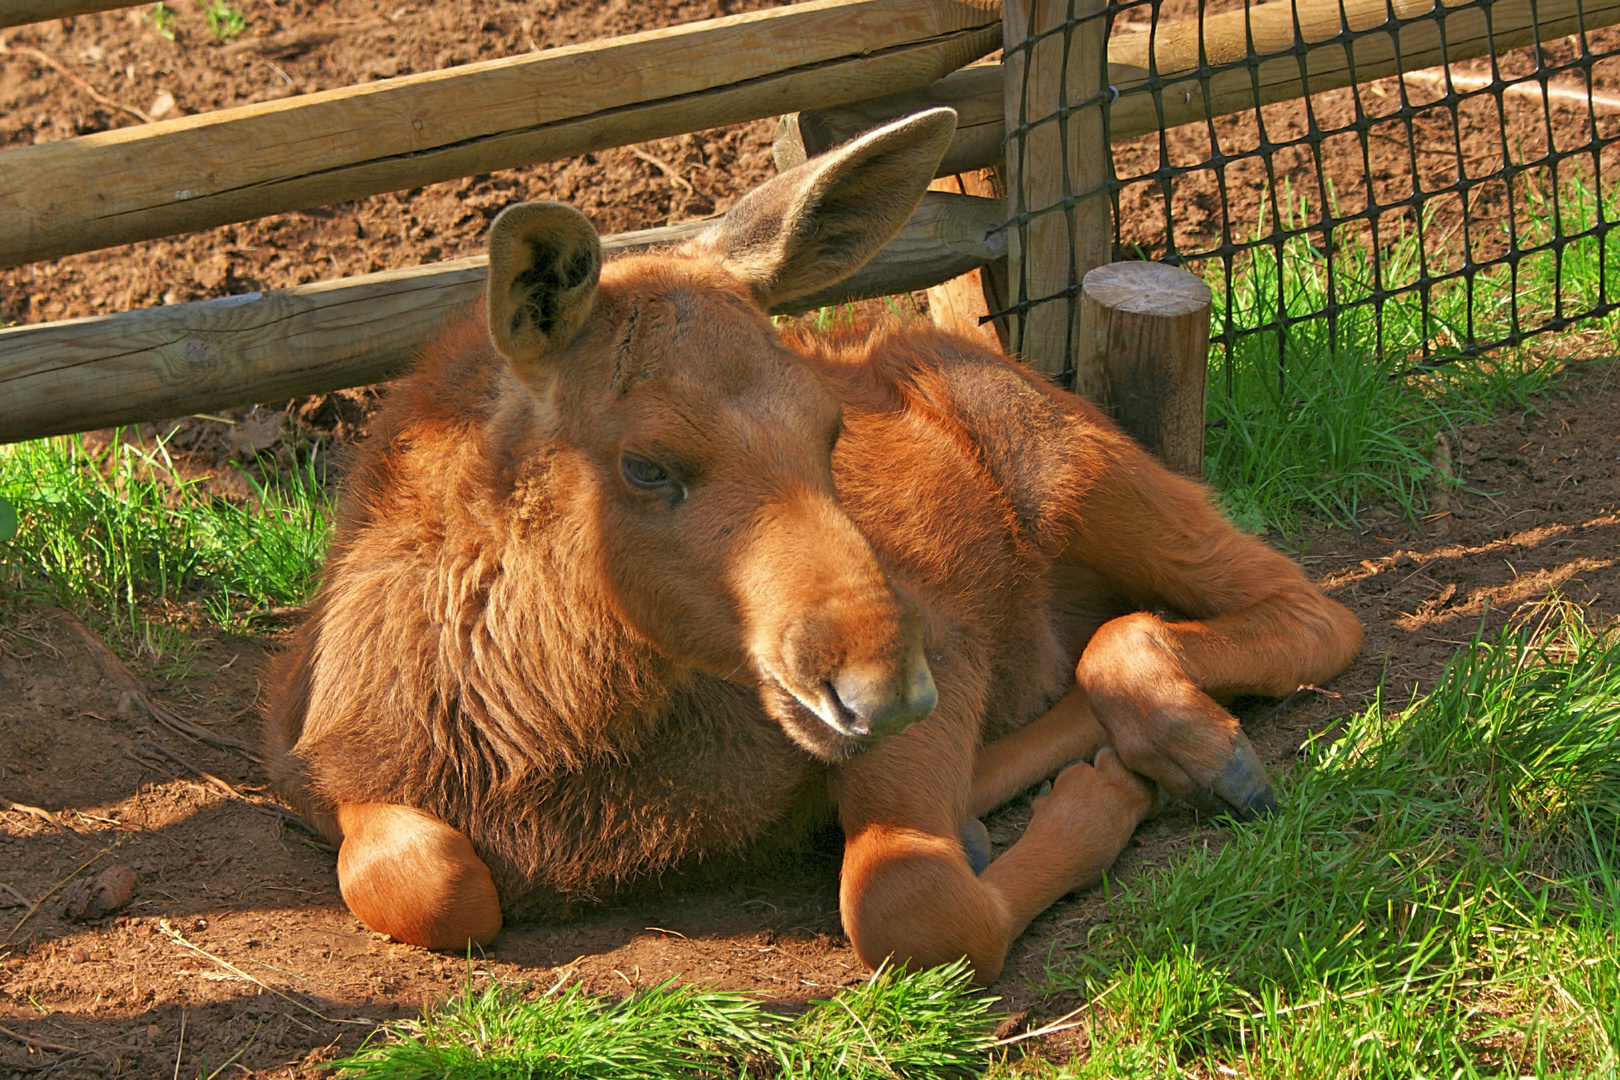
(1436, 897)
(924, 1024)
(108, 530)
(896, 1026)
(670, 1031)
(224, 21)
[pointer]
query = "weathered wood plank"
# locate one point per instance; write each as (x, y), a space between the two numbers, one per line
(1048, 162)
(83, 374)
(18, 12)
(200, 171)
(1329, 68)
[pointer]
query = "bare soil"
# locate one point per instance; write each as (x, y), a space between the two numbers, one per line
(236, 932)
(268, 946)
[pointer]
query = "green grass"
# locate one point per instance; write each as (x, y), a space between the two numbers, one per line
(895, 1025)
(1437, 896)
(161, 19)
(224, 21)
(1324, 420)
(111, 531)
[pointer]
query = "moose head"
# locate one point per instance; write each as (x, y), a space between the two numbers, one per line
(710, 444)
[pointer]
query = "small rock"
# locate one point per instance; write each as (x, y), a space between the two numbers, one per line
(102, 895)
(79, 955)
(161, 104)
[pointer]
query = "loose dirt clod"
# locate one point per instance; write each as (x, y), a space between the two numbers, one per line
(102, 895)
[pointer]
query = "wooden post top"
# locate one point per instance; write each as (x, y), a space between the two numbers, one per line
(1147, 288)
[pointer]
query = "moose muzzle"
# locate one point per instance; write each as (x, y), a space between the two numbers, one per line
(871, 701)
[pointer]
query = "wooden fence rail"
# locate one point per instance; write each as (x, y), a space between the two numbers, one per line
(214, 168)
(18, 12)
(83, 374)
(1469, 33)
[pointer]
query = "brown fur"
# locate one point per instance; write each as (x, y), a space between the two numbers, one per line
(589, 680)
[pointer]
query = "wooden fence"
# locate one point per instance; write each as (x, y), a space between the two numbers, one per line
(836, 55)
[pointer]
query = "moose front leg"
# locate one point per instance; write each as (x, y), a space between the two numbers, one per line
(405, 873)
(1067, 732)
(908, 895)
(907, 892)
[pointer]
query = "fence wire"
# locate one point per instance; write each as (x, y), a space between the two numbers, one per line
(1452, 210)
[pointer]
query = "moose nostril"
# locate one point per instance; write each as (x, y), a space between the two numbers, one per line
(881, 703)
(853, 695)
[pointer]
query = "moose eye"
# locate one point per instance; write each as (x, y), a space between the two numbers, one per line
(643, 474)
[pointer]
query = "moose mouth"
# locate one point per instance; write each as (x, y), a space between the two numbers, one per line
(822, 723)
(832, 711)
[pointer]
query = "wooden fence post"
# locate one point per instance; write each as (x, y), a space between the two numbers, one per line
(1146, 331)
(1048, 163)
(960, 303)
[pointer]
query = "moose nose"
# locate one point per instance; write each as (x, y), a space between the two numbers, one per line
(883, 704)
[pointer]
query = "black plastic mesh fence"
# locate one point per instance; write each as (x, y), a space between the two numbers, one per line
(1447, 211)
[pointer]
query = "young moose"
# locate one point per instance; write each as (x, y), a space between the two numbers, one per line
(648, 581)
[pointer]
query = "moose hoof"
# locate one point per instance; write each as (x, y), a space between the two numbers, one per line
(976, 844)
(1243, 784)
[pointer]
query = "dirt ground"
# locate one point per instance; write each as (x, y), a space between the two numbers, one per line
(236, 928)
(235, 938)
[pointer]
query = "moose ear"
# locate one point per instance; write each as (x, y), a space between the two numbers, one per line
(544, 261)
(821, 221)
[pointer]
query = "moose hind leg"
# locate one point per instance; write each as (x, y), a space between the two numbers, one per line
(405, 873)
(1241, 618)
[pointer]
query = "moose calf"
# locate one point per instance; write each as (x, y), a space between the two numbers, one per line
(625, 576)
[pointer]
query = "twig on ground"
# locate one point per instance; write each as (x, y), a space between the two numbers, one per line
(268, 808)
(180, 939)
(1307, 688)
(1467, 81)
(181, 1047)
(37, 1044)
(24, 808)
(1062, 1023)
(663, 167)
(208, 777)
(20, 897)
(30, 914)
(56, 65)
(114, 669)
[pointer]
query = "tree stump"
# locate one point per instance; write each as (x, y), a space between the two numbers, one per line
(1145, 329)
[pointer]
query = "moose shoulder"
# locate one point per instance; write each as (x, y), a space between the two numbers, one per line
(625, 576)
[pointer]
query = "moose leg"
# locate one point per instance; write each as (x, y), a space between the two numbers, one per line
(1248, 622)
(1066, 732)
(407, 874)
(909, 896)
(907, 890)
